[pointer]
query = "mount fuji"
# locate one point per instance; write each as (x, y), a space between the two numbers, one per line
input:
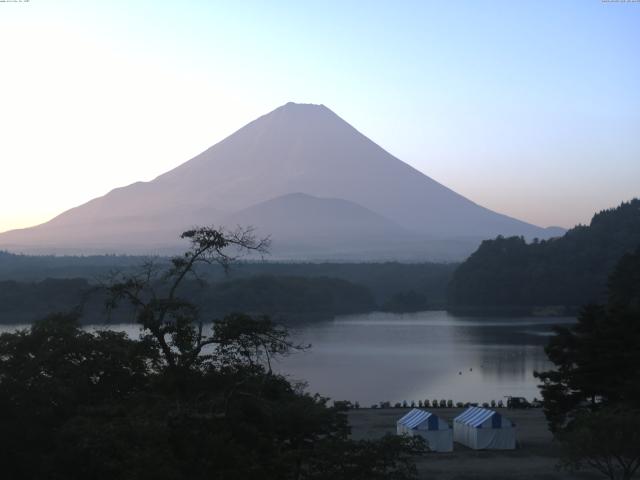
(301, 174)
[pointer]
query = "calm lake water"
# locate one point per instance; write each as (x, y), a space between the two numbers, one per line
(427, 355)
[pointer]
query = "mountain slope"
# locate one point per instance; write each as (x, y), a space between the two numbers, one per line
(298, 215)
(295, 148)
(307, 227)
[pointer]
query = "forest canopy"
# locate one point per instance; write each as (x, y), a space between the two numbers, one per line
(567, 271)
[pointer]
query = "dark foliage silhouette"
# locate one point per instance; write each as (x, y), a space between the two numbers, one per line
(189, 399)
(592, 396)
(568, 271)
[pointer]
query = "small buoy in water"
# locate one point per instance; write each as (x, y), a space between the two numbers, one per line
(459, 373)
(471, 369)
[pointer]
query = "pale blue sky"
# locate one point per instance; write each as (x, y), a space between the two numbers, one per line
(529, 108)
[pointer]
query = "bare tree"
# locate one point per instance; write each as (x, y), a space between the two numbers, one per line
(153, 291)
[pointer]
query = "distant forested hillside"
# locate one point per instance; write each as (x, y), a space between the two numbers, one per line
(568, 271)
(394, 286)
(27, 301)
(288, 298)
(40, 267)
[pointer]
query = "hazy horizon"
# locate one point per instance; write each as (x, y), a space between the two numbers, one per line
(531, 110)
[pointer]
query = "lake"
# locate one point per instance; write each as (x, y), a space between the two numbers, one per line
(377, 357)
(427, 355)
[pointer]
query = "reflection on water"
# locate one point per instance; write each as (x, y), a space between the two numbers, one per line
(426, 355)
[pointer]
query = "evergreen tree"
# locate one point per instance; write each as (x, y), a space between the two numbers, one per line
(592, 397)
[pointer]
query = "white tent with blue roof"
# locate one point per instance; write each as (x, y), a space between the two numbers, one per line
(484, 429)
(436, 432)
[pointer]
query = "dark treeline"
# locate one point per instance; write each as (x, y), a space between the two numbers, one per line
(32, 286)
(384, 280)
(32, 268)
(268, 294)
(568, 271)
(26, 301)
(287, 298)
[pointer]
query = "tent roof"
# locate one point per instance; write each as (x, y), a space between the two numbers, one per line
(415, 417)
(474, 416)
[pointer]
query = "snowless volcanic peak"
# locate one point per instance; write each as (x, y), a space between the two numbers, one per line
(295, 149)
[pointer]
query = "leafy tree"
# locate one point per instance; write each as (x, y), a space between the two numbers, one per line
(597, 360)
(49, 374)
(390, 458)
(185, 401)
(607, 441)
(624, 284)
